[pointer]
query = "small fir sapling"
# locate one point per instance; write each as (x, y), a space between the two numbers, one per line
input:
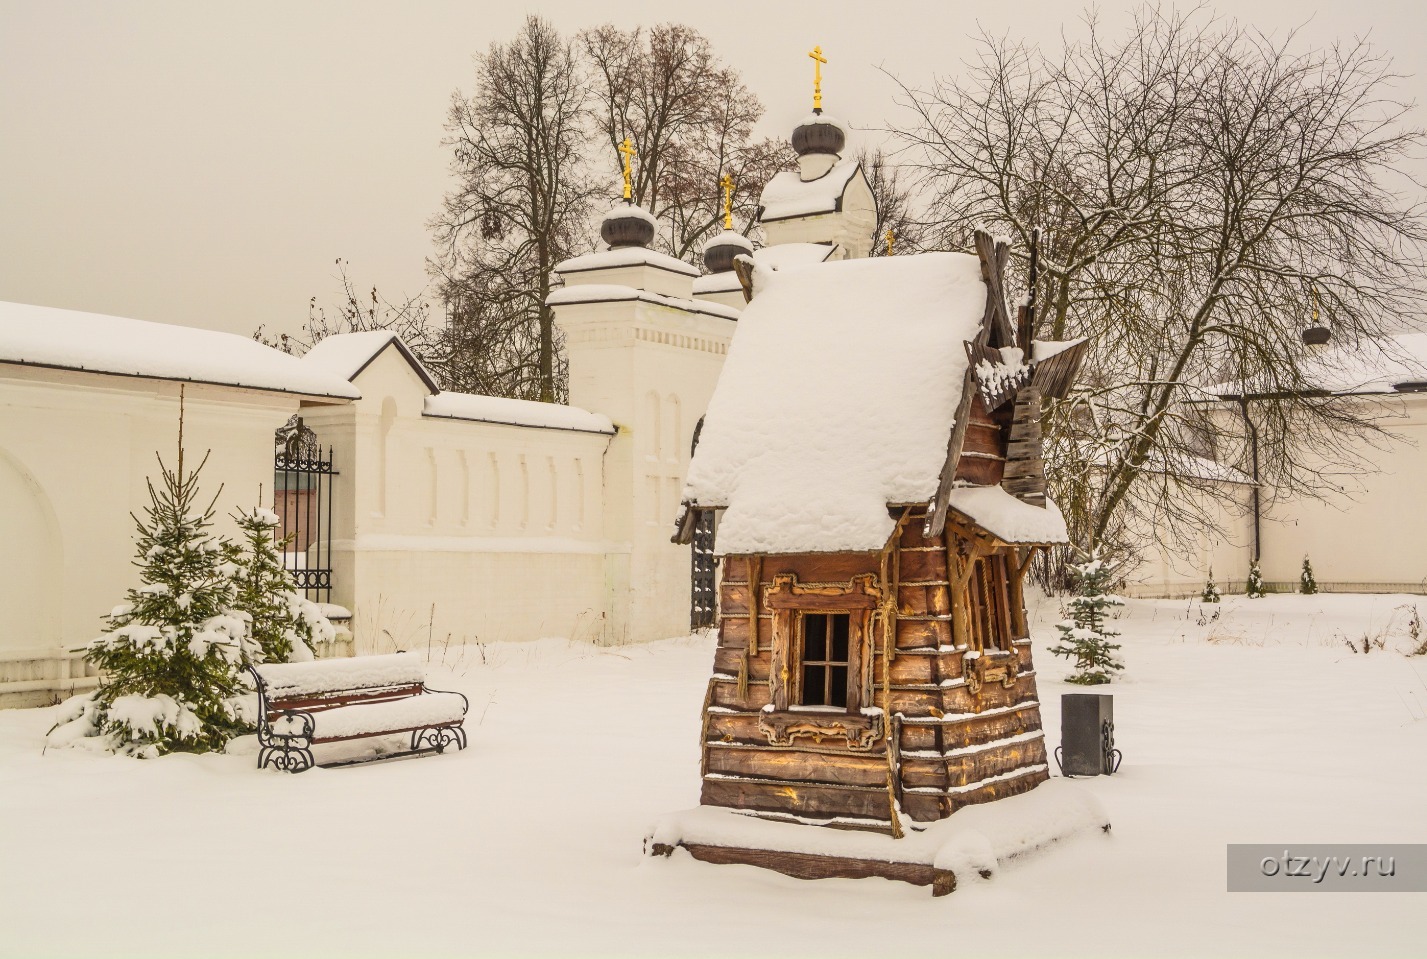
(170, 663)
(1254, 588)
(285, 625)
(1307, 585)
(1211, 590)
(1086, 637)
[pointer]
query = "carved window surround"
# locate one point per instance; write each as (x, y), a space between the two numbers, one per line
(787, 600)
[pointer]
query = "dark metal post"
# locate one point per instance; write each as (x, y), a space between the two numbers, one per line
(1087, 735)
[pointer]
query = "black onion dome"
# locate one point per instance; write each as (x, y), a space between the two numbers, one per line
(627, 225)
(819, 133)
(720, 251)
(1317, 335)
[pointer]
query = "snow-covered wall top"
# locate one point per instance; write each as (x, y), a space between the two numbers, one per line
(788, 195)
(496, 409)
(785, 255)
(615, 293)
(1366, 368)
(837, 398)
(347, 354)
(625, 256)
(70, 340)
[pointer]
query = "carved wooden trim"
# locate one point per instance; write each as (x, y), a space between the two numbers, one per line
(786, 599)
(1003, 668)
(855, 730)
(785, 592)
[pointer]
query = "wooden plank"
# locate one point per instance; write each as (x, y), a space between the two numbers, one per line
(728, 660)
(801, 799)
(923, 600)
(796, 765)
(809, 866)
(733, 599)
(922, 634)
(733, 633)
(921, 566)
(810, 568)
(980, 472)
(725, 693)
(983, 438)
(734, 728)
(999, 789)
(997, 761)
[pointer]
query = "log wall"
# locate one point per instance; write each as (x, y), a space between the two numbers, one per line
(962, 729)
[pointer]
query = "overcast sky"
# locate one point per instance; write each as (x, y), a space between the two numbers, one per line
(205, 164)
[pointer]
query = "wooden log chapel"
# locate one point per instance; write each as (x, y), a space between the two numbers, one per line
(872, 454)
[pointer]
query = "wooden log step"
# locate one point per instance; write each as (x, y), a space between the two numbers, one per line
(799, 799)
(801, 865)
(798, 765)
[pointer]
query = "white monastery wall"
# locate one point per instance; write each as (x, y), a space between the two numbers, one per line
(450, 531)
(76, 451)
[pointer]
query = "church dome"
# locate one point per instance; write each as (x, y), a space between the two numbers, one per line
(819, 133)
(720, 251)
(627, 225)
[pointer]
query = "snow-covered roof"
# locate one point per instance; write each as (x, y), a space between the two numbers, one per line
(613, 292)
(1007, 518)
(72, 340)
(347, 354)
(726, 282)
(787, 195)
(1372, 367)
(784, 255)
(836, 399)
(625, 256)
(629, 211)
(728, 238)
(496, 409)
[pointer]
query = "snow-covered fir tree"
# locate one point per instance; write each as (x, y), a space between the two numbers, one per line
(1307, 585)
(170, 663)
(286, 626)
(1211, 590)
(1086, 637)
(1254, 588)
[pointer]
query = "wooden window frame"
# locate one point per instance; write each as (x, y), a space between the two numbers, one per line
(788, 600)
(800, 662)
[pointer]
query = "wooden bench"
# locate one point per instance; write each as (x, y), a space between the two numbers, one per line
(337, 700)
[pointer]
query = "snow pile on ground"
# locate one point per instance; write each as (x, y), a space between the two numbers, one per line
(972, 845)
(1249, 721)
(819, 420)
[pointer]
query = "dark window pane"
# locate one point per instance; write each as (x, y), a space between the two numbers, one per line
(839, 637)
(837, 694)
(814, 681)
(814, 637)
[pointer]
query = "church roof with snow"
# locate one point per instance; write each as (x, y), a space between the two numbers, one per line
(1394, 364)
(837, 398)
(787, 195)
(91, 342)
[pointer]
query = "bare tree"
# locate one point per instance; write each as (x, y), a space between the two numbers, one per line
(521, 204)
(1198, 179)
(691, 119)
(357, 312)
(895, 196)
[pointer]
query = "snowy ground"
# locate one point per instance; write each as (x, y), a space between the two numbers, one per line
(1260, 726)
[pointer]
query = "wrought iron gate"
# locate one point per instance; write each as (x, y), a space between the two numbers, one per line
(705, 594)
(302, 500)
(703, 599)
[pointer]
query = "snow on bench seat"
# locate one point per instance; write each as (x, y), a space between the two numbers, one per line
(289, 680)
(366, 719)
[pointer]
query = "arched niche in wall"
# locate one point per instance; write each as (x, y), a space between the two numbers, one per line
(31, 560)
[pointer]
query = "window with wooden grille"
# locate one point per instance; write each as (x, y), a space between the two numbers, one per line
(986, 595)
(824, 659)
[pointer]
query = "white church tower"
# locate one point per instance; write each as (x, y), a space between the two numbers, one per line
(646, 352)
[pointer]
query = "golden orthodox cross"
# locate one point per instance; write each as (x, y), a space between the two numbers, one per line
(627, 150)
(818, 61)
(889, 242)
(726, 182)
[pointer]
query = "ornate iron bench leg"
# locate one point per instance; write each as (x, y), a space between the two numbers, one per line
(439, 737)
